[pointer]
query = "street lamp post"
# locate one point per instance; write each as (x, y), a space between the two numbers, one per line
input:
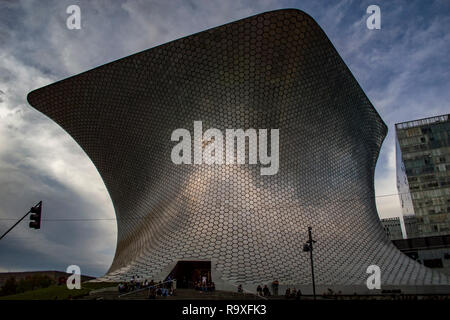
(309, 247)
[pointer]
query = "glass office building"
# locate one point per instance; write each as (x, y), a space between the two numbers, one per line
(411, 226)
(393, 228)
(423, 173)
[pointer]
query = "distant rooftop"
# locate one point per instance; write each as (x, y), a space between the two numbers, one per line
(421, 122)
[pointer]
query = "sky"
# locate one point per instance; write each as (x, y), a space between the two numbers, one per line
(402, 67)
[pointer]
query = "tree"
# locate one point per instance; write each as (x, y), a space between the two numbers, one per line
(10, 287)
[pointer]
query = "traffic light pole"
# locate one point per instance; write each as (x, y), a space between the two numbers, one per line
(18, 221)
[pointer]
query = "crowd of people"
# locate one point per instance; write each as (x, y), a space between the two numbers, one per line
(293, 293)
(331, 293)
(264, 291)
(167, 288)
(155, 289)
(204, 286)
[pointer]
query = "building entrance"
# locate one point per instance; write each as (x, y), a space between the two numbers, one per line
(187, 273)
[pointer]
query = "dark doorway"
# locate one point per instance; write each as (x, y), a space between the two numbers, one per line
(189, 272)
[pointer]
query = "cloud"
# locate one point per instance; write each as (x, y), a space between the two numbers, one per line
(38, 159)
(403, 68)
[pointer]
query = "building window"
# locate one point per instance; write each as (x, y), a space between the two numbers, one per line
(433, 263)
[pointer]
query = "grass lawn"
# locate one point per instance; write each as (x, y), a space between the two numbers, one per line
(58, 292)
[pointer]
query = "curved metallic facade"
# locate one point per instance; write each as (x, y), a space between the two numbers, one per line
(274, 70)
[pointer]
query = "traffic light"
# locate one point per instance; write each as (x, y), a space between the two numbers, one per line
(35, 217)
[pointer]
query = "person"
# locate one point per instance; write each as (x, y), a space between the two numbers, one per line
(138, 283)
(204, 286)
(240, 290)
(259, 290)
(152, 293)
(266, 291)
(275, 285)
(299, 294)
(204, 282)
(294, 293)
(287, 294)
(167, 286)
(168, 282)
(133, 282)
(174, 284)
